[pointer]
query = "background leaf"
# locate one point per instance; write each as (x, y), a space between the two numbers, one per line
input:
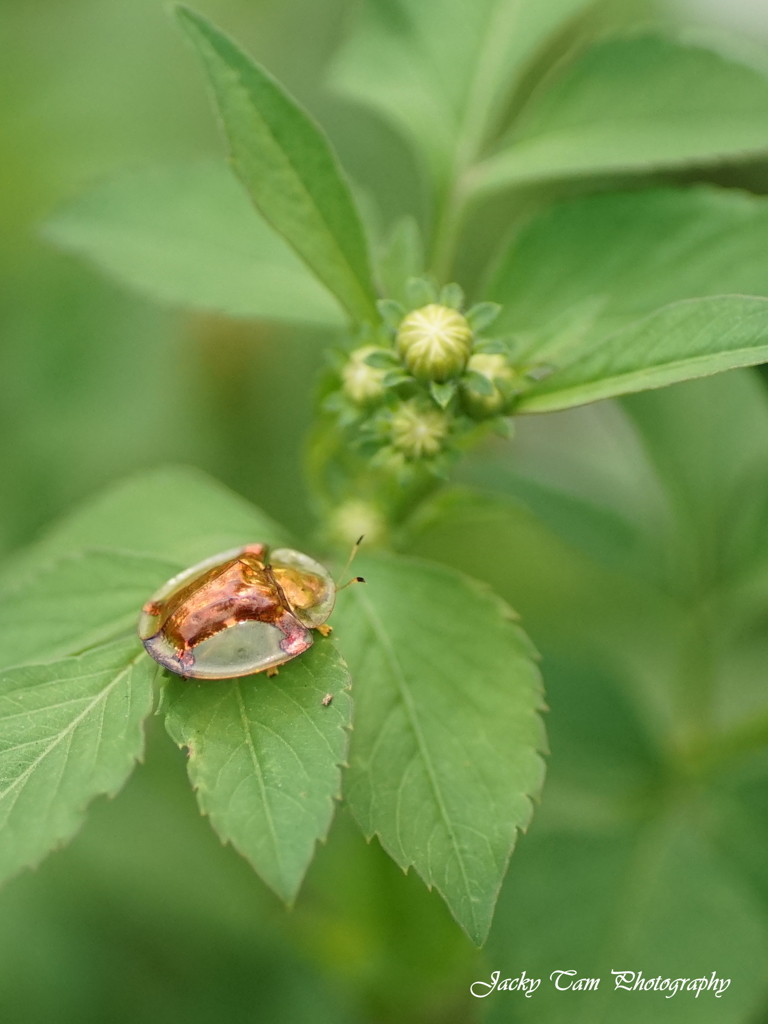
(584, 269)
(176, 513)
(688, 339)
(69, 731)
(633, 105)
(441, 70)
(709, 447)
(77, 602)
(401, 259)
(265, 756)
(594, 528)
(445, 756)
(587, 269)
(187, 234)
(288, 167)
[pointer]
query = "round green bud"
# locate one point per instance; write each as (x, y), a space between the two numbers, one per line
(362, 383)
(496, 369)
(357, 518)
(434, 342)
(418, 432)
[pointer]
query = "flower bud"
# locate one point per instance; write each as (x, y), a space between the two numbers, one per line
(418, 432)
(362, 383)
(357, 518)
(496, 369)
(434, 342)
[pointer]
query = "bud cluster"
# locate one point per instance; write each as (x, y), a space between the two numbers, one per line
(423, 379)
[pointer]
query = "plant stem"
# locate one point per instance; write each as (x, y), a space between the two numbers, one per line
(715, 749)
(448, 228)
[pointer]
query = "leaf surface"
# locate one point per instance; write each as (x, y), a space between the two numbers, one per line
(708, 443)
(288, 168)
(689, 339)
(69, 731)
(77, 602)
(176, 513)
(188, 235)
(265, 757)
(598, 531)
(612, 274)
(445, 754)
(584, 269)
(441, 71)
(634, 104)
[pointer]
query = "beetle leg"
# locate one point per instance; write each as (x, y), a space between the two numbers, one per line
(273, 671)
(324, 629)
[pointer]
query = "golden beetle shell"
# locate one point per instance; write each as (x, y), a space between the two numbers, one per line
(242, 611)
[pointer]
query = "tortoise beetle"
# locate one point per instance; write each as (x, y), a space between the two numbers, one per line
(239, 612)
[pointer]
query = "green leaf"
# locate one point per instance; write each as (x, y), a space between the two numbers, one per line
(693, 338)
(77, 602)
(164, 521)
(265, 756)
(382, 359)
(442, 71)
(708, 442)
(478, 383)
(452, 295)
(633, 104)
(443, 393)
(288, 167)
(483, 315)
(595, 529)
(445, 753)
(584, 269)
(188, 235)
(420, 291)
(176, 513)
(402, 258)
(69, 731)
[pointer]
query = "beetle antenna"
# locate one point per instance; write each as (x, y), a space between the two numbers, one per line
(355, 579)
(350, 560)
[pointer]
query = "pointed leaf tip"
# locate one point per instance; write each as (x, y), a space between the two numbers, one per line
(288, 167)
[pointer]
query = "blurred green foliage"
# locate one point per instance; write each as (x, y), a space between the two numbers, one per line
(145, 916)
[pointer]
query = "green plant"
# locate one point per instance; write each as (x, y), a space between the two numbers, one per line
(595, 297)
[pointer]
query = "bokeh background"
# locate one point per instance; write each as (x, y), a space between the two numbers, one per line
(145, 917)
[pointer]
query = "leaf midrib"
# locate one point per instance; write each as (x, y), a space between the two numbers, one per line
(260, 782)
(402, 685)
(478, 90)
